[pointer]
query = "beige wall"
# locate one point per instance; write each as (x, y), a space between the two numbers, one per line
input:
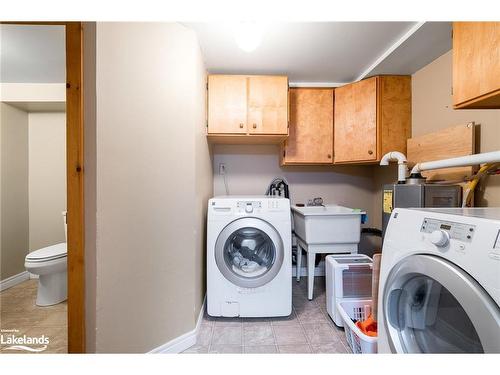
(89, 162)
(152, 184)
(203, 174)
(14, 224)
(432, 110)
(251, 168)
(47, 178)
(33, 92)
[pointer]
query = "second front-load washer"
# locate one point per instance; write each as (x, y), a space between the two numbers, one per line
(249, 266)
(439, 289)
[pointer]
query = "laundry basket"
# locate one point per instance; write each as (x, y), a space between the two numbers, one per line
(358, 310)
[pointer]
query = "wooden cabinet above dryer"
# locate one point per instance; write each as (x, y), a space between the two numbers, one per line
(476, 65)
(372, 117)
(247, 109)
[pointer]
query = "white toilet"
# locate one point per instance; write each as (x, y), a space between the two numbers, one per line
(49, 263)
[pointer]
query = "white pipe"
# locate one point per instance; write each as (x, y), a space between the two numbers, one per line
(463, 161)
(401, 159)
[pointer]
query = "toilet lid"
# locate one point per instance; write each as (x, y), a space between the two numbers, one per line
(48, 253)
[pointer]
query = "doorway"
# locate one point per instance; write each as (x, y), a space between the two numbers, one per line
(74, 181)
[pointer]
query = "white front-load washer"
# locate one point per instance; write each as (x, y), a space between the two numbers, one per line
(249, 260)
(439, 288)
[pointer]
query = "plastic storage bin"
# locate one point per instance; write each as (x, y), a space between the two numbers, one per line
(357, 340)
(348, 276)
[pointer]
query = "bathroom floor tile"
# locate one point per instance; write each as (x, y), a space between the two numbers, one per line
(20, 320)
(19, 312)
(55, 319)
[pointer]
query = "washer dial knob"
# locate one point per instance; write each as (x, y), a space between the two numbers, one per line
(439, 238)
(249, 208)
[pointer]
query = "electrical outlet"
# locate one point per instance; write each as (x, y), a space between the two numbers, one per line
(222, 168)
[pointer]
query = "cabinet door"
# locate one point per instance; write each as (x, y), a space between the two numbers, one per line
(355, 136)
(267, 105)
(227, 104)
(310, 140)
(476, 64)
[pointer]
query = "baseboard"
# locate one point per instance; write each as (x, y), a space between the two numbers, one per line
(14, 280)
(185, 341)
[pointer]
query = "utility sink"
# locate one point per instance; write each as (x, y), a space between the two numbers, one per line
(330, 224)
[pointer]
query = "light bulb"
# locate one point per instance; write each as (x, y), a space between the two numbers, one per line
(248, 35)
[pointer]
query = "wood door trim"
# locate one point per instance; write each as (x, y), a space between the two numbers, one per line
(75, 186)
(74, 181)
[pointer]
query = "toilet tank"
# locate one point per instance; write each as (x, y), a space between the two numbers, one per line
(64, 215)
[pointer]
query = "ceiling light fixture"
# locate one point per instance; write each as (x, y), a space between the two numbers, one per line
(248, 35)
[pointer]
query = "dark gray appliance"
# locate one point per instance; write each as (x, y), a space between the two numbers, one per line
(415, 193)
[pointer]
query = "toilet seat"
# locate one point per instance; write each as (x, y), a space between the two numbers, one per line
(48, 253)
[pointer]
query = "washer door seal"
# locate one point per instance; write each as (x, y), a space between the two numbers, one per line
(249, 252)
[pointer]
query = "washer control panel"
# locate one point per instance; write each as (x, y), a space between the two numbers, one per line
(456, 231)
(248, 206)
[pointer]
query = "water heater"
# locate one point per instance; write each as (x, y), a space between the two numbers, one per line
(417, 194)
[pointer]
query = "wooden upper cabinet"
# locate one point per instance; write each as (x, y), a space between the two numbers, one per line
(267, 105)
(310, 140)
(356, 122)
(227, 104)
(247, 109)
(476, 65)
(372, 117)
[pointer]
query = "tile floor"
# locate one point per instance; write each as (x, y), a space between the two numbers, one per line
(18, 311)
(308, 329)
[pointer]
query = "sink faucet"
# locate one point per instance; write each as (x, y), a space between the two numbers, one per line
(315, 202)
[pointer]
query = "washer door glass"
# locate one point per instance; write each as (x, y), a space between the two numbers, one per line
(432, 306)
(431, 320)
(249, 252)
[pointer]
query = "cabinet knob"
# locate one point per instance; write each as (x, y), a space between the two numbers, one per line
(370, 152)
(329, 156)
(255, 126)
(241, 125)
